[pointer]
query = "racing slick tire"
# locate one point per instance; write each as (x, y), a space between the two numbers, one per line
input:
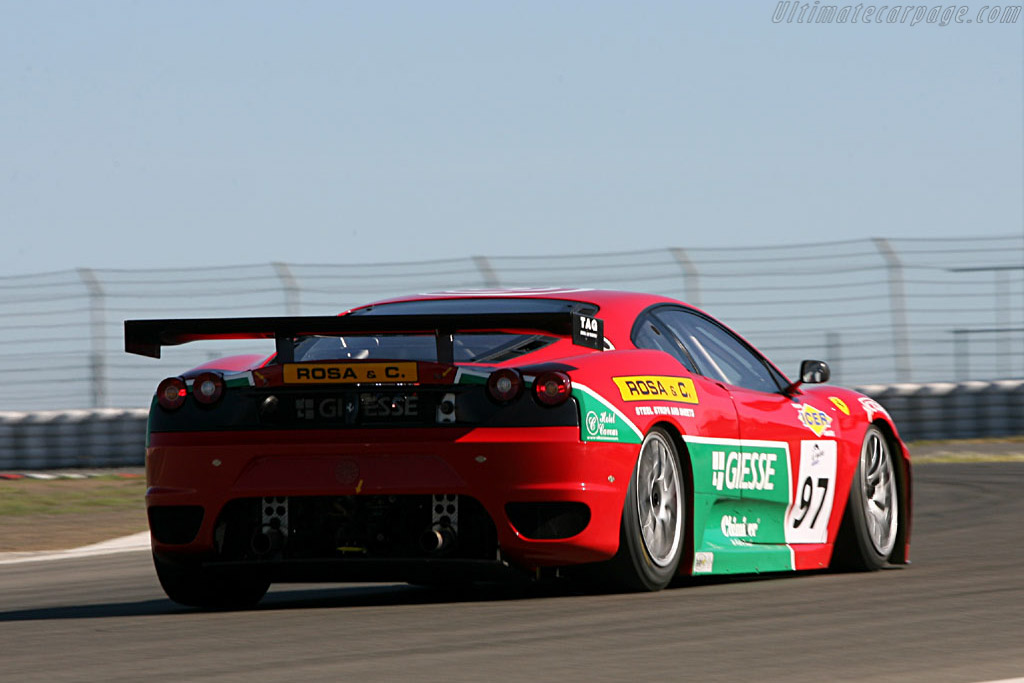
(653, 518)
(196, 587)
(870, 526)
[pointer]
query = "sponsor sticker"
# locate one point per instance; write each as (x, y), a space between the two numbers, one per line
(744, 470)
(657, 388)
(601, 425)
(703, 562)
(349, 373)
(330, 409)
(841, 404)
(871, 406)
(383, 406)
(735, 468)
(367, 407)
(816, 420)
(734, 526)
(600, 420)
(587, 331)
(676, 411)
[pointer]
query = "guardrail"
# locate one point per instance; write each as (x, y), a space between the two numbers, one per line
(116, 438)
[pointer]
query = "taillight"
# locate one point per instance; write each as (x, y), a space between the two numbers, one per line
(208, 387)
(170, 393)
(552, 388)
(504, 385)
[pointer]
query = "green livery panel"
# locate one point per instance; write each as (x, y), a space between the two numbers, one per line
(741, 494)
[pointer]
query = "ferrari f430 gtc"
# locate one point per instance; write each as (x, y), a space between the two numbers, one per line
(456, 436)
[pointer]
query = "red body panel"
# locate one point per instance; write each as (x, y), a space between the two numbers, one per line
(495, 466)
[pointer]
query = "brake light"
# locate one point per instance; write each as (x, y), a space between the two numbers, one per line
(504, 385)
(552, 388)
(170, 393)
(208, 387)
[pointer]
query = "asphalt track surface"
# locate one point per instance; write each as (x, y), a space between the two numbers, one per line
(955, 614)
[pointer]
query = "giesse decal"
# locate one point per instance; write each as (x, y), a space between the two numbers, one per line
(743, 471)
(328, 408)
(389, 406)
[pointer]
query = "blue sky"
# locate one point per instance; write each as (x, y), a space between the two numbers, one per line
(143, 134)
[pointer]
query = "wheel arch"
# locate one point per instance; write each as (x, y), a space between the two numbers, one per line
(686, 468)
(903, 481)
(900, 552)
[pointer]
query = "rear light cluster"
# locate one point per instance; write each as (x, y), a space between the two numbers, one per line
(171, 392)
(549, 388)
(505, 385)
(552, 388)
(207, 389)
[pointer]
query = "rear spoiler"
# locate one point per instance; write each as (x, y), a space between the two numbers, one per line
(146, 337)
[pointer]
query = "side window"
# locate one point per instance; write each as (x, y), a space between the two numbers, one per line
(647, 335)
(717, 352)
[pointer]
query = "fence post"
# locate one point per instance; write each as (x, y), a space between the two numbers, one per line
(96, 332)
(290, 286)
(833, 350)
(1004, 360)
(897, 309)
(690, 275)
(1003, 329)
(960, 357)
(483, 264)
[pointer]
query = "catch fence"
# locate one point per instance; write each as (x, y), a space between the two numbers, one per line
(880, 311)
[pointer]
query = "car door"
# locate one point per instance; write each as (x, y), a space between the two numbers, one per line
(785, 466)
(714, 414)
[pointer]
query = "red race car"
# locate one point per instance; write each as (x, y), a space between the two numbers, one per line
(455, 436)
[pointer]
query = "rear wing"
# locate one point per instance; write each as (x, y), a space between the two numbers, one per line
(147, 337)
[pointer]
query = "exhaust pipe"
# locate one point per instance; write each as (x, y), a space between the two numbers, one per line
(437, 538)
(266, 541)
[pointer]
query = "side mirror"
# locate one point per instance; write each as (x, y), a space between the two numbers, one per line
(811, 372)
(814, 372)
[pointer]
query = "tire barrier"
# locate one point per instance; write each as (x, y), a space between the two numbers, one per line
(944, 410)
(116, 438)
(53, 439)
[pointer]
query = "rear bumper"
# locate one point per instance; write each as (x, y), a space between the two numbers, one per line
(495, 466)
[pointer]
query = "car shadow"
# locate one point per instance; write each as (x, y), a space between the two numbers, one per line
(96, 611)
(303, 597)
(298, 596)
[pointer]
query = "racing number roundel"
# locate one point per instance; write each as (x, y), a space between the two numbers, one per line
(811, 507)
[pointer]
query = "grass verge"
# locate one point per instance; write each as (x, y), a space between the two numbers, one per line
(67, 513)
(1003, 449)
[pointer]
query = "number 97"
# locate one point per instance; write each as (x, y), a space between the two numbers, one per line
(807, 498)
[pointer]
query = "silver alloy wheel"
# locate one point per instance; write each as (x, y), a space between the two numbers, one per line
(878, 482)
(658, 499)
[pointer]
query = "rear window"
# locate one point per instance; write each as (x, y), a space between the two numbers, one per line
(467, 347)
